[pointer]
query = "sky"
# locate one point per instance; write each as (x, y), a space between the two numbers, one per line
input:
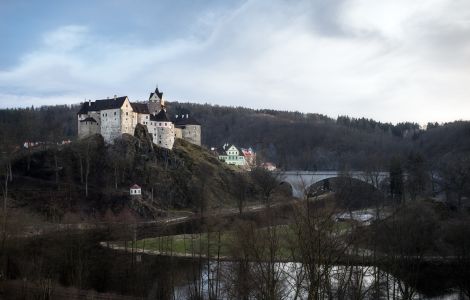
(390, 60)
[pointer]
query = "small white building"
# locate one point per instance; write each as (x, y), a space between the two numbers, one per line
(135, 190)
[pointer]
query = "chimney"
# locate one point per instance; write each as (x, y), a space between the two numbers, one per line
(115, 96)
(89, 102)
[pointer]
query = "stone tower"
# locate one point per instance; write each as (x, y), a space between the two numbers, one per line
(156, 101)
(163, 127)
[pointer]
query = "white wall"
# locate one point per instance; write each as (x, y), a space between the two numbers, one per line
(128, 118)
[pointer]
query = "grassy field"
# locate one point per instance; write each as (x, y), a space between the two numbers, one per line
(222, 243)
(189, 244)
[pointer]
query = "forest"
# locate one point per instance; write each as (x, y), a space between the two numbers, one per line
(291, 140)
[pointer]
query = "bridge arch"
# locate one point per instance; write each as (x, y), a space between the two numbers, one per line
(302, 181)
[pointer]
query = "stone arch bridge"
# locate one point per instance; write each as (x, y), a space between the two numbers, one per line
(301, 181)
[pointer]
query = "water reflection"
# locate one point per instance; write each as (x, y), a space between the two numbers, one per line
(79, 261)
(228, 280)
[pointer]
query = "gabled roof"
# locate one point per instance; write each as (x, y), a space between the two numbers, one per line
(104, 104)
(157, 92)
(89, 119)
(181, 120)
(225, 151)
(161, 116)
(135, 186)
(141, 108)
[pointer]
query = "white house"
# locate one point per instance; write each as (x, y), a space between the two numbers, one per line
(241, 157)
(135, 190)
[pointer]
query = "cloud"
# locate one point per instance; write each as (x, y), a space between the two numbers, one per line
(66, 38)
(392, 60)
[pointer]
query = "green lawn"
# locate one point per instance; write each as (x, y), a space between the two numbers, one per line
(189, 244)
(195, 244)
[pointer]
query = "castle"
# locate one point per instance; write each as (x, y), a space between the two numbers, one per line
(113, 117)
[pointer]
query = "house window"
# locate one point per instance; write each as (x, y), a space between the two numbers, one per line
(159, 124)
(127, 113)
(147, 117)
(114, 113)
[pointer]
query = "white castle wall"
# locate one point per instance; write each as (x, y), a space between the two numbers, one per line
(128, 118)
(143, 119)
(163, 133)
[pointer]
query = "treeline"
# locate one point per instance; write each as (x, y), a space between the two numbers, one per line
(295, 140)
(43, 124)
(292, 140)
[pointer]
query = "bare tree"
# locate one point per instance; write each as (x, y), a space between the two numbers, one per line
(267, 183)
(240, 189)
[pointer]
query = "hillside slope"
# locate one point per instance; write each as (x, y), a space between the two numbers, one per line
(89, 178)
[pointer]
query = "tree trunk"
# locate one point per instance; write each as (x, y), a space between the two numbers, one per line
(5, 198)
(81, 168)
(56, 169)
(87, 172)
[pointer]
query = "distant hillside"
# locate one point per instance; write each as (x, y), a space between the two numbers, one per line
(292, 140)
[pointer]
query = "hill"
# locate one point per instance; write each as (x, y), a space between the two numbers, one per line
(88, 178)
(292, 140)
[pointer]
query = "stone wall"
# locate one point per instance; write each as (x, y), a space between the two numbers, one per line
(87, 128)
(192, 134)
(110, 124)
(165, 135)
(178, 133)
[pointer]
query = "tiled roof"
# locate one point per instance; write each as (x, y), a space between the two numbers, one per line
(181, 120)
(89, 119)
(159, 94)
(104, 104)
(141, 108)
(161, 116)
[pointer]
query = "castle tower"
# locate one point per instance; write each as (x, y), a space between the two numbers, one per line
(163, 129)
(156, 102)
